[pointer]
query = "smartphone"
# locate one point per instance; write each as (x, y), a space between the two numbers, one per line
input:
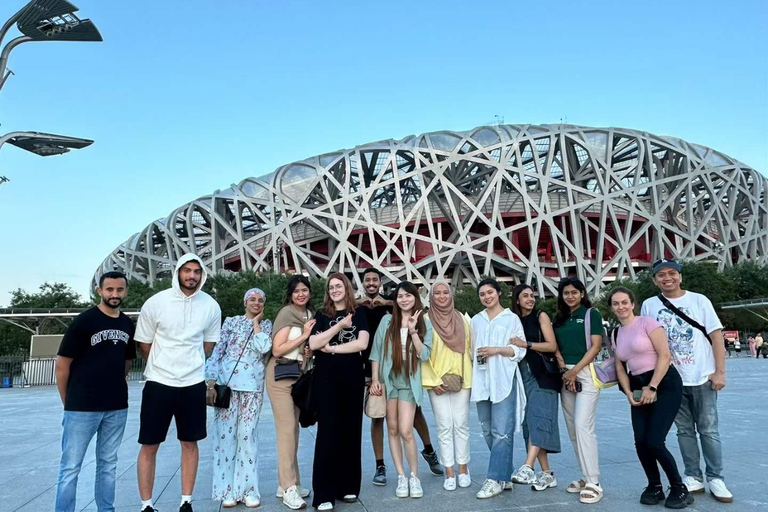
(637, 394)
(578, 386)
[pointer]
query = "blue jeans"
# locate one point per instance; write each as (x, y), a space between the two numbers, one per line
(79, 429)
(498, 424)
(698, 413)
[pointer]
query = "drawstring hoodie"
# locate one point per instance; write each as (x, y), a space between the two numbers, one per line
(177, 287)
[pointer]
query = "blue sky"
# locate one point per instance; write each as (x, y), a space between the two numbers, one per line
(186, 97)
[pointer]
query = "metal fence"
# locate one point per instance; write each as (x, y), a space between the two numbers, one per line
(21, 371)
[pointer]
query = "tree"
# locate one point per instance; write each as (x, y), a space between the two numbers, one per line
(14, 340)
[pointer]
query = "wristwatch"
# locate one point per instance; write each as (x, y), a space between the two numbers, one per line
(528, 344)
(652, 388)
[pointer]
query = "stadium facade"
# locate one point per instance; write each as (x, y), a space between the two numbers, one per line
(524, 203)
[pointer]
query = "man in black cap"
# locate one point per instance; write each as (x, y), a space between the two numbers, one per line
(698, 352)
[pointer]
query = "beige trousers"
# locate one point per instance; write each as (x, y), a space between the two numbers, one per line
(286, 427)
(580, 413)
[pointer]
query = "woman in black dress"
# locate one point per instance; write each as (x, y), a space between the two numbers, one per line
(338, 337)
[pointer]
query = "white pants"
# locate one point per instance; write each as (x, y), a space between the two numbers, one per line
(452, 420)
(580, 411)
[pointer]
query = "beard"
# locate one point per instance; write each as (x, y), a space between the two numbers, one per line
(187, 287)
(110, 303)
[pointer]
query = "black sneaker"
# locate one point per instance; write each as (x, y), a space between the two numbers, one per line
(149, 509)
(679, 497)
(652, 495)
(186, 507)
(380, 478)
(434, 465)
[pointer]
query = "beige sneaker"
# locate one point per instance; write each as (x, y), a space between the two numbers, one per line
(302, 491)
(490, 489)
(292, 499)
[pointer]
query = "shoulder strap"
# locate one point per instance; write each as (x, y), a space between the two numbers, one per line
(239, 357)
(588, 328)
(690, 321)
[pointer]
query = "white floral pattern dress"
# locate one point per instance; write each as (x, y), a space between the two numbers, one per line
(235, 448)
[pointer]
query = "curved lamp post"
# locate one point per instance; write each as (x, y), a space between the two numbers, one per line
(45, 20)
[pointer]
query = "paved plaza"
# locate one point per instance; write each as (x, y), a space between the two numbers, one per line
(30, 448)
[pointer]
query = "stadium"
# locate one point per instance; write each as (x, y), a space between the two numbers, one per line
(524, 203)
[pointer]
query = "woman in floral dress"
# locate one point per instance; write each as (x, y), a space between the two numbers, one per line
(235, 450)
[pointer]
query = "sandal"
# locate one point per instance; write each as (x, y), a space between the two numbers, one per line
(591, 493)
(576, 486)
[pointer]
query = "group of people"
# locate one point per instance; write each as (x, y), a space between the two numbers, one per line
(516, 364)
(757, 346)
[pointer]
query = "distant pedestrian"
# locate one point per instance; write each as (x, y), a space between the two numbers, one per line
(91, 368)
(737, 347)
(752, 350)
(696, 342)
(760, 346)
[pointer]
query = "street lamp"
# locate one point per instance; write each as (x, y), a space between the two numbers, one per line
(45, 20)
(44, 144)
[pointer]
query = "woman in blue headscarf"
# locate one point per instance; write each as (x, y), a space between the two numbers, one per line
(239, 360)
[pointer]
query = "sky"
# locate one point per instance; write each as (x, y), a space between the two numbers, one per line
(185, 97)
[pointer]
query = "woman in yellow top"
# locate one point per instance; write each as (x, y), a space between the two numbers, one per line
(447, 375)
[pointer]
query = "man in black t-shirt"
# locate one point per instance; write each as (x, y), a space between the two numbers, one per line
(91, 368)
(377, 307)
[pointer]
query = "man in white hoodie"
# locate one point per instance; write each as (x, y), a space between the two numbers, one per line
(176, 329)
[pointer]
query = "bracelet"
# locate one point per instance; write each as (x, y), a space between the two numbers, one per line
(334, 349)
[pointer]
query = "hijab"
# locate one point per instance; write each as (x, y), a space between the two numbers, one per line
(446, 321)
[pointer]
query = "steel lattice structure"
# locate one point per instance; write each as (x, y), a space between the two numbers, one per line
(525, 203)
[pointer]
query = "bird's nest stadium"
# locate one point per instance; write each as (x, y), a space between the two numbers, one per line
(524, 203)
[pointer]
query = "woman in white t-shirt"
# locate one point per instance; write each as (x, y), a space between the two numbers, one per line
(497, 386)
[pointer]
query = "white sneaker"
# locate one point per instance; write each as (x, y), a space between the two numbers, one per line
(508, 486)
(544, 481)
(325, 506)
(302, 492)
(229, 503)
(490, 489)
(524, 475)
(292, 499)
(402, 487)
(415, 484)
(719, 491)
(349, 498)
(465, 480)
(449, 484)
(252, 501)
(693, 484)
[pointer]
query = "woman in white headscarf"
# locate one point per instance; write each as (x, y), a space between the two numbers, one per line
(239, 361)
(447, 376)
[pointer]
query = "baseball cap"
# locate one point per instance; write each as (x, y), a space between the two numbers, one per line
(665, 263)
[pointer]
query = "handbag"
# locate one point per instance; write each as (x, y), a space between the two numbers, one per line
(303, 398)
(287, 369)
(376, 405)
(223, 391)
(550, 361)
(603, 372)
(452, 382)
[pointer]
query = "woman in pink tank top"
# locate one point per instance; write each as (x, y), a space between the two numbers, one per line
(654, 390)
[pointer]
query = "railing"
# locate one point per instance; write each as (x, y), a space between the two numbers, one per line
(21, 371)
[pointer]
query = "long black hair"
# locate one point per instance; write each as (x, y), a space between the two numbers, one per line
(563, 309)
(516, 291)
(292, 284)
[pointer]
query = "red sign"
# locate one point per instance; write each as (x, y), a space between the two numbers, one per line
(731, 335)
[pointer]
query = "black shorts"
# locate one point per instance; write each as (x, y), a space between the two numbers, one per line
(160, 403)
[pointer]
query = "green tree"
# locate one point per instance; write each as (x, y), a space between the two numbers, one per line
(15, 340)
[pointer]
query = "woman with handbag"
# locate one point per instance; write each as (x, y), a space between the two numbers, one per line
(447, 377)
(654, 389)
(497, 386)
(290, 333)
(338, 338)
(540, 369)
(579, 394)
(237, 362)
(403, 341)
